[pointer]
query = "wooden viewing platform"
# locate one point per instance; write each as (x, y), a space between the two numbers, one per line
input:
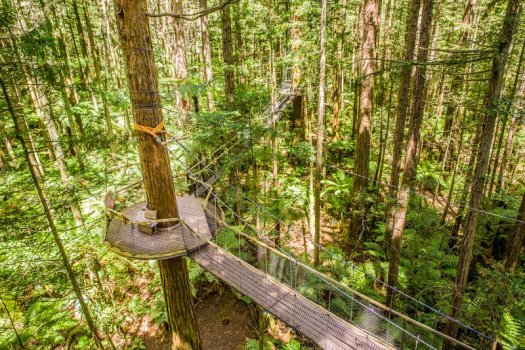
(177, 240)
(324, 328)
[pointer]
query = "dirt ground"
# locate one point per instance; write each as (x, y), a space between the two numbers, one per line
(225, 323)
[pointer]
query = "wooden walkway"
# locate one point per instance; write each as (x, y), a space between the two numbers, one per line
(127, 240)
(322, 327)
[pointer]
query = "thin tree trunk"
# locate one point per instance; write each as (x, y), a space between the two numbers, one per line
(142, 75)
(8, 146)
(320, 134)
(227, 50)
(101, 83)
(206, 55)
(487, 135)
(512, 130)
(179, 59)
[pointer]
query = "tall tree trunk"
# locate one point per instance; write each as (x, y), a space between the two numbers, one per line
(411, 160)
(458, 80)
(179, 59)
(518, 105)
(227, 51)
(101, 83)
(206, 54)
(20, 124)
(362, 146)
(402, 109)
(337, 80)
(142, 76)
(296, 43)
(320, 134)
(487, 135)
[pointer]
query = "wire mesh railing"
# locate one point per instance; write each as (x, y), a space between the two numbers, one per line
(350, 305)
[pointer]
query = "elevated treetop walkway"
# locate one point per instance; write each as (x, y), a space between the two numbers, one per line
(339, 318)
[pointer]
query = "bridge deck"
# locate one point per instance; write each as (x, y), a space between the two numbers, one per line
(325, 329)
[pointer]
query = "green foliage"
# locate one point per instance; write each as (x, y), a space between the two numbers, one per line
(254, 344)
(49, 323)
(7, 15)
(429, 176)
(337, 187)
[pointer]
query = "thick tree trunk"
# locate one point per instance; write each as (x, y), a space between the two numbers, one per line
(411, 160)
(364, 129)
(136, 43)
(487, 135)
(320, 134)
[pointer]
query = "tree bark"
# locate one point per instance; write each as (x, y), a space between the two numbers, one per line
(227, 51)
(142, 76)
(487, 135)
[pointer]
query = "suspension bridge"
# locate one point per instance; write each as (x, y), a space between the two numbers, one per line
(276, 280)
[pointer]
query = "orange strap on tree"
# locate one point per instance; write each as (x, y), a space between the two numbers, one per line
(159, 129)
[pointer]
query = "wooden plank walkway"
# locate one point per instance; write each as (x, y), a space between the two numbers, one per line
(322, 327)
(127, 240)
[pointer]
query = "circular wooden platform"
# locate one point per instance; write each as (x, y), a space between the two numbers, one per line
(166, 243)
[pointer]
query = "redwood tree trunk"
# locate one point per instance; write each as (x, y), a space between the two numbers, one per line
(362, 154)
(402, 107)
(227, 51)
(206, 53)
(142, 76)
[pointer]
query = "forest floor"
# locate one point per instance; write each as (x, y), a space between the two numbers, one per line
(225, 323)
